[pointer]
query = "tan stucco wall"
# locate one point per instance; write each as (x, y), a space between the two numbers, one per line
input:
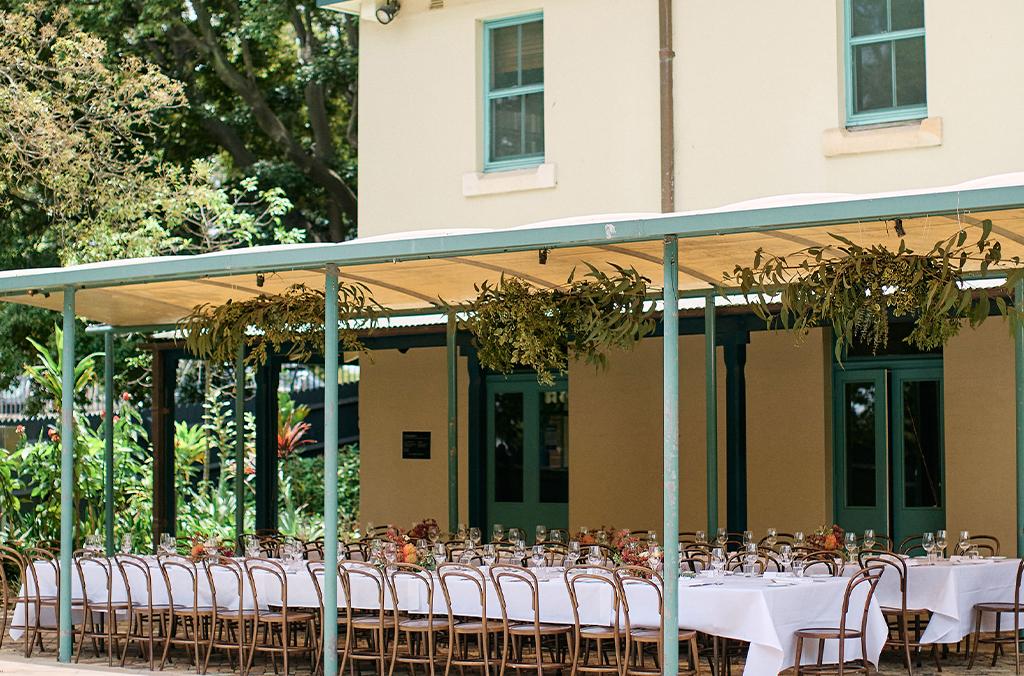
(408, 392)
(978, 397)
(615, 429)
(789, 443)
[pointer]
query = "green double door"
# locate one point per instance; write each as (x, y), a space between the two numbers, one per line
(528, 453)
(889, 457)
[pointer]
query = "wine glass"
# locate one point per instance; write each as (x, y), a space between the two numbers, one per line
(748, 537)
(126, 544)
(252, 547)
(940, 543)
(594, 556)
(965, 542)
(869, 538)
(541, 534)
(166, 544)
(851, 545)
(749, 559)
(786, 556)
(718, 561)
(798, 539)
(475, 536)
(655, 557)
(490, 555)
(652, 537)
(721, 537)
(556, 537)
(433, 532)
(515, 535)
(519, 551)
(928, 544)
(602, 537)
(391, 553)
(440, 552)
(210, 547)
(771, 538)
(573, 557)
(538, 556)
(497, 532)
(700, 537)
(461, 533)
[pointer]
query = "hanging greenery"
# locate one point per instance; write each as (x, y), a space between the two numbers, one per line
(855, 288)
(292, 321)
(518, 325)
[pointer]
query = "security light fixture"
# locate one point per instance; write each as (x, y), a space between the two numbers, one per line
(899, 228)
(260, 280)
(542, 256)
(386, 12)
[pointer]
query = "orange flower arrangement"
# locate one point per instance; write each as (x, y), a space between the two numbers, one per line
(828, 538)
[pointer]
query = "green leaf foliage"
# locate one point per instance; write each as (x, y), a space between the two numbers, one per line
(518, 325)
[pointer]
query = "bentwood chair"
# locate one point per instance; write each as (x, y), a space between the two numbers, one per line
(883, 543)
(228, 626)
(865, 580)
(610, 644)
(762, 561)
(12, 572)
(280, 628)
(99, 608)
(519, 637)
(416, 634)
(780, 539)
(987, 545)
(188, 621)
(912, 545)
(377, 627)
(829, 561)
(146, 620)
(42, 570)
(643, 587)
(898, 617)
(999, 639)
(317, 571)
(462, 633)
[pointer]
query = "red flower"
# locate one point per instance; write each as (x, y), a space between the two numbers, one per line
(20, 429)
(116, 418)
(52, 433)
(249, 470)
(126, 396)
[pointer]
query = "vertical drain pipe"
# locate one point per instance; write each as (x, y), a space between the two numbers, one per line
(666, 58)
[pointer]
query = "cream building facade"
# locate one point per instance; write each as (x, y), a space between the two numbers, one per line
(498, 113)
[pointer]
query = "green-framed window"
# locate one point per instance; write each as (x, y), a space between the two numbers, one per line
(513, 92)
(885, 61)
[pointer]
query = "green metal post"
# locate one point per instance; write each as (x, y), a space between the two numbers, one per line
(453, 426)
(330, 622)
(239, 445)
(711, 411)
(67, 473)
(670, 638)
(1018, 349)
(108, 438)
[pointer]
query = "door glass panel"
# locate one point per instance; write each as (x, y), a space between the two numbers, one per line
(922, 444)
(554, 447)
(859, 401)
(508, 447)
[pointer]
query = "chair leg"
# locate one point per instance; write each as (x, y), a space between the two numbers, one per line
(798, 657)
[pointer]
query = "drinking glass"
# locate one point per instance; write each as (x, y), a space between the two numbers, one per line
(166, 543)
(965, 542)
(701, 537)
(538, 556)
(433, 532)
(556, 537)
(869, 538)
(772, 538)
(749, 559)
(210, 547)
(798, 566)
(461, 533)
(655, 557)
(475, 536)
(786, 556)
(594, 556)
(748, 537)
(391, 553)
(440, 552)
(541, 534)
(573, 557)
(721, 537)
(928, 543)
(940, 543)
(602, 537)
(490, 555)
(126, 544)
(652, 537)
(515, 535)
(717, 561)
(497, 532)
(851, 545)
(798, 538)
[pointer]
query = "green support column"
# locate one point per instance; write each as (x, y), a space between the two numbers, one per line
(67, 474)
(108, 437)
(711, 411)
(330, 623)
(239, 446)
(453, 426)
(670, 638)
(1018, 349)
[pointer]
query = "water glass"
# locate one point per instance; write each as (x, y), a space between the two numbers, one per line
(798, 566)
(497, 532)
(391, 553)
(475, 536)
(717, 561)
(433, 532)
(700, 537)
(167, 545)
(440, 552)
(594, 556)
(749, 559)
(940, 543)
(556, 537)
(126, 544)
(461, 533)
(652, 537)
(252, 547)
(573, 557)
(538, 556)
(771, 538)
(869, 538)
(798, 538)
(490, 555)
(721, 537)
(519, 551)
(541, 534)
(748, 537)
(786, 556)
(515, 535)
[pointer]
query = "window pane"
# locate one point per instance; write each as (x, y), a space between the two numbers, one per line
(910, 72)
(554, 446)
(860, 444)
(533, 52)
(508, 447)
(504, 57)
(872, 65)
(907, 14)
(868, 17)
(534, 122)
(922, 444)
(506, 127)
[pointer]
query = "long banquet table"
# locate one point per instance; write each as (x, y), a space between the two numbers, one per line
(762, 611)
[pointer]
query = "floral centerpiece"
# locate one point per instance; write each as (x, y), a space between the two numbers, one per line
(406, 550)
(198, 543)
(828, 538)
(605, 535)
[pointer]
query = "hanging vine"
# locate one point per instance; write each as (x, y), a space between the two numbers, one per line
(855, 288)
(291, 321)
(518, 325)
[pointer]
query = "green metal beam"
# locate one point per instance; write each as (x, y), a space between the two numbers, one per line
(711, 411)
(473, 244)
(1018, 350)
(108, 439)
(330, 621)
(67, 475)
(670, 341)
(453, 423)
(239, 445)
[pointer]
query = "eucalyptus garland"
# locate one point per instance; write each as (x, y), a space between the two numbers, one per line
(292, 321)
(518, 325)
(856, 288)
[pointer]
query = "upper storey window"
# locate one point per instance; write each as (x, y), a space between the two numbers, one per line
(514, 92)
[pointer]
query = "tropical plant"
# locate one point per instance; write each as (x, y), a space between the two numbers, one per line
(855, 288)
(47, 373)
(518, 325)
